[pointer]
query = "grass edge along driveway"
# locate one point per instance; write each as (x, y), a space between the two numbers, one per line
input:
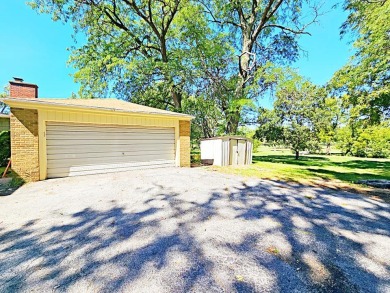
(336, 172)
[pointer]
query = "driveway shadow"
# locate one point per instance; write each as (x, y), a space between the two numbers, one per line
(249, 238)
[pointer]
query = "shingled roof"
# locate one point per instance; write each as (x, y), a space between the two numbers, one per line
(110, 104)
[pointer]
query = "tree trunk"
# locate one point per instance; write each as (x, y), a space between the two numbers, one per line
(328, 148)
(175, 93)
(296, 155)
(247, 46)
(177, 97)
(233, 118)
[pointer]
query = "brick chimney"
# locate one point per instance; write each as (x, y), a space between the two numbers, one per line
(19, 89)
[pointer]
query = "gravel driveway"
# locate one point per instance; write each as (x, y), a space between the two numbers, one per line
(180, 230)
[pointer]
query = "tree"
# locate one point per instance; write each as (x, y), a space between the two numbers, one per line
(160, 53)
(372, 141)
(363, 83)
(270, 127)
(262, 31)
(328, 120)
(4, 109)
(138, 49)
(297, 109)
(207, 122)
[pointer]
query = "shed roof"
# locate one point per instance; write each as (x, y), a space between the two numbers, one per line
(109, 104)
(227, 137)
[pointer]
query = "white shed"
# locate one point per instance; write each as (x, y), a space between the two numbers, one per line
(226, 150)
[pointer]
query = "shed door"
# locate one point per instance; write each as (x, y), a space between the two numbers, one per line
(241, 146)
(237, 151)
(77, 149)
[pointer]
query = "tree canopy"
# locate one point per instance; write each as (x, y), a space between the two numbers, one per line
(4, 109)
(215, 59)
(175, 54)
(298, 113)
(363, 83)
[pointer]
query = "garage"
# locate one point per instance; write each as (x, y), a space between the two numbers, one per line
(53, 137)
(77, 149)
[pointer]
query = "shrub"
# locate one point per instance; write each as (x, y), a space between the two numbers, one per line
(371, 142)
(5, 147)
(256, 144)
(195, 158)
(16, 182)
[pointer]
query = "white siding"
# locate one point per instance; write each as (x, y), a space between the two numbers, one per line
(249, 147)
(207, 150)
(227, 151)
(217, 148)
(211, 149)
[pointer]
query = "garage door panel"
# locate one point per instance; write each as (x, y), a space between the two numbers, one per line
(114, 166)
(55, 128)
(107, 160)
(59, 156)
(86, 149)
(69, 149)
(105, 136)
(102, 169)
(108, 142)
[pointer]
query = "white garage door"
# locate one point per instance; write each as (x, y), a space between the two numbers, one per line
(74, 149)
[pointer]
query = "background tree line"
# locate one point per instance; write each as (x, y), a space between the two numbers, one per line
(352, 111)
(214, 59)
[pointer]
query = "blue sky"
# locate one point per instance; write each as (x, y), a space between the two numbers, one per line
(325, 51)
(35, 48)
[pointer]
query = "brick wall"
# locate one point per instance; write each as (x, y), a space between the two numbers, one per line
(24, 143)
(185, 147)
(23, 90)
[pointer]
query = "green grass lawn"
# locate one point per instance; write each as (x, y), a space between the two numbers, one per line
(281, 165)
(1, 171)
(9, 173)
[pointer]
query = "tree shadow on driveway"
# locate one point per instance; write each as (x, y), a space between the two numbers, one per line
(263, 237)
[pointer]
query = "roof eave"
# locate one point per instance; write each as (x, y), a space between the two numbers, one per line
(37, 104)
